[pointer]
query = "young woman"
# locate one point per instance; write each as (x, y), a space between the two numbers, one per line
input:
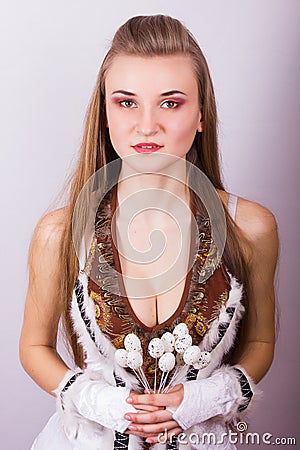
(149, 161)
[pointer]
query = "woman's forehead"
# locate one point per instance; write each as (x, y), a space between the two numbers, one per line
(163, 73)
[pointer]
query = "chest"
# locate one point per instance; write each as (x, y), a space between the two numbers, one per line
(153, 262)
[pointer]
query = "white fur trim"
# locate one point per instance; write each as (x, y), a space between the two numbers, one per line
(99, 354)
(212, 335)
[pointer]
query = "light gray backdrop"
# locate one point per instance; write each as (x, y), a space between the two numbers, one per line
(50, 55)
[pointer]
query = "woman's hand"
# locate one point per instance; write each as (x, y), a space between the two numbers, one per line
(157, 419)
(142, 407)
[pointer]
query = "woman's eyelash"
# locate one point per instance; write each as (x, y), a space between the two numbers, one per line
(126, 101)
(173, 102)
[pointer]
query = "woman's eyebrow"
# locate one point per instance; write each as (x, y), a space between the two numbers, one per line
(174, 92)
(123, 92)
(164, 94)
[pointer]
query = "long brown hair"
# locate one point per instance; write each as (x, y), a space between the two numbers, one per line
(145, 36)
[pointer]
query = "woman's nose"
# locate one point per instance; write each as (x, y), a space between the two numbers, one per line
(147, 123)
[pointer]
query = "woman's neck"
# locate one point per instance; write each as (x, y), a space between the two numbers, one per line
(162, 186)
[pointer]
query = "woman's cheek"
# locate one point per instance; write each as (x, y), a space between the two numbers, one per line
(117, 129)
(184, 134)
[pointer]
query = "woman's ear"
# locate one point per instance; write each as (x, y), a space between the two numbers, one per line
(200, 126)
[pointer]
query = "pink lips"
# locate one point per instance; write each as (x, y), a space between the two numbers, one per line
(146, 147)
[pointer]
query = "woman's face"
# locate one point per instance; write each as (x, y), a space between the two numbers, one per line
(152, 101)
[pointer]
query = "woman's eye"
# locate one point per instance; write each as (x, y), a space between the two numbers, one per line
(170, 104)
(127, 103)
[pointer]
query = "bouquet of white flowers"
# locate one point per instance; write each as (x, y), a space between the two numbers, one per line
(171, 350)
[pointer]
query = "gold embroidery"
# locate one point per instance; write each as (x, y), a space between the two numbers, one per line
(119, 341)
(91, 256)
(222, 299)
(98, 312)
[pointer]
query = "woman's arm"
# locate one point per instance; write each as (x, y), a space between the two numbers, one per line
(260, 229)
(89, 396)
(38, 353)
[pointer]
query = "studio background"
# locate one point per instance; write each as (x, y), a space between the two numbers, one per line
(50, 56)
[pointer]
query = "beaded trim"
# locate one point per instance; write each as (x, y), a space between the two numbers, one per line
(66, 387)
(80, 302)
(222, 328)
(246, 389)
(121, 440)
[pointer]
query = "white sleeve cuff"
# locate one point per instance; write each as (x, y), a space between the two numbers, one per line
(100, 402)
(217, 395)
(229, 392)
(81, 395)
(114, 407)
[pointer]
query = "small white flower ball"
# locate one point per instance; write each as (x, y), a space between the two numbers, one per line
(121, 357)
(203, 361)
(156, 348)
(205, 358)
(180, 330)
(182, 343)
(132, 342)
(166, 362)
(168, 340)
(191, 354)
(134, 360)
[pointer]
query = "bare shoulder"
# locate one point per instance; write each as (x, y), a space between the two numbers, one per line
(258, 230)
(255, 220)
(52, 222)
(48, 231)
(259, 227)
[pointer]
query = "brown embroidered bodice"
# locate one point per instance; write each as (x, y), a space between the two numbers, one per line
(200, 302)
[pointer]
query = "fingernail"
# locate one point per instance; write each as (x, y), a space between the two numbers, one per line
(150, 441)
(129, 400)
(127, 417)
(132, 427)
